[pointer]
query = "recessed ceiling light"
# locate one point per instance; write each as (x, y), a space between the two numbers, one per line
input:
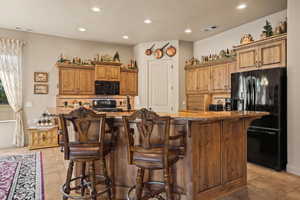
(95, 9)
(188, 30)
(147, 21)
(81, 29)
(242, 6)
(125, 37)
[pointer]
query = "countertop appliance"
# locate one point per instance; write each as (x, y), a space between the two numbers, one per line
(265, 90)
(107, 87)
(216, 107)
(106, 105)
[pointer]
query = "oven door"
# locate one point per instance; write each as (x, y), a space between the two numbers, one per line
(263, 147)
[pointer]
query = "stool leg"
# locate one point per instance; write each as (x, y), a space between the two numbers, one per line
(93, 181)
(167, 184)
(69, 177)
(83, 166)
(139, 183)
(107, 179)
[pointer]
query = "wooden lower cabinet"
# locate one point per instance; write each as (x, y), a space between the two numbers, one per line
(129, 83)
(42, 138)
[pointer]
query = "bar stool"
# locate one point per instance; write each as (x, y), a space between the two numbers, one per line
(151, 151)
(90, 145)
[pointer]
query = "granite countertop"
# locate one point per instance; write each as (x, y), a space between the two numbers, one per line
(183, 115)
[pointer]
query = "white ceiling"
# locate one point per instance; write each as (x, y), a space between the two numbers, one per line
(125, 17)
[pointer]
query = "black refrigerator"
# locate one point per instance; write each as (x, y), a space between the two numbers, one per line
(264, 90)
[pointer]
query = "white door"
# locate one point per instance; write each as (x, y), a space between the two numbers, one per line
(160, 89)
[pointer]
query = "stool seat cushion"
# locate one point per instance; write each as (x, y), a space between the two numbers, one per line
(154, 158)
(89, 152)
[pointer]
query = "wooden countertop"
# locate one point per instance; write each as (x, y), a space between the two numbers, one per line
(184, 115)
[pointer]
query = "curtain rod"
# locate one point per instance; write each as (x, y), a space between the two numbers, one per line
(13, 40)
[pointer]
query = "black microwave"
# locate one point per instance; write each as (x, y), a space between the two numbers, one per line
(107, 87)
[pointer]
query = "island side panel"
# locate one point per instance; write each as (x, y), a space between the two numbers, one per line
(219, 157)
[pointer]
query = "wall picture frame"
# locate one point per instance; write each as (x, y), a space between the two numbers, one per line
(41, 77)
(41, 89)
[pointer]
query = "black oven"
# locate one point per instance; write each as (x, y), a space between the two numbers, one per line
(107, 87)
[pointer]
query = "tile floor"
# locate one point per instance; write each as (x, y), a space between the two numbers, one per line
(263, 184)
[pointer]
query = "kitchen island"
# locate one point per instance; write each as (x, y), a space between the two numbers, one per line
(215, 162)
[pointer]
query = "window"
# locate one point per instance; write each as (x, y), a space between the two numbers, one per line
(6, 113)
(3, 98)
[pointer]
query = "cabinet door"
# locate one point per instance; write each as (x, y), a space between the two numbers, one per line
(123, 83)
(231, 69)
(191, 81)
(100, 73)
(219, 78)
(113, 73)
(247, 59)
(272, 55)
(132, 83)
(68, 81)
(86, 81)
(233, 152)
(206, 156)
(203, 79)
(128, 83)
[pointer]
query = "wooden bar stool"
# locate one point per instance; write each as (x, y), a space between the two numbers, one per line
(149, 151)
(91, 144)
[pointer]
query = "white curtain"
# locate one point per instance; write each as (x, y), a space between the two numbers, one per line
(11, 77)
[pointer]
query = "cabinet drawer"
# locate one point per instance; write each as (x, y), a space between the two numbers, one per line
(43, 138)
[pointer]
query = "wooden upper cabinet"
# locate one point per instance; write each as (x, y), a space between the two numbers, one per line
(107, 73)
(191, 81)
(76, 80)
(262, 54)
(86, 81)
(68, 83)
(272, 55)
(247, 59)
(100, 73)
(203, 79)
(219, 78)
(129, 83)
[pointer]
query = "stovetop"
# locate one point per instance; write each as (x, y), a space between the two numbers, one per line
(108, 109)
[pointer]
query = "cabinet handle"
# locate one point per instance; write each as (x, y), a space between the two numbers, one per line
(43, 137)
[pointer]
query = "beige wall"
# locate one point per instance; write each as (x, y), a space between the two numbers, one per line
(41, 53)
(227, 39)
(185, 53)
(293, 87)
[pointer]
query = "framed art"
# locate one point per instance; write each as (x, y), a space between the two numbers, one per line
(41, 89)
(41, 77)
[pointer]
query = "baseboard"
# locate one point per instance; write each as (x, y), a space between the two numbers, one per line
(293, 170)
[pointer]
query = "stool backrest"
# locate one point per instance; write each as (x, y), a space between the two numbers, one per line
(144, 122)
(88, 126)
